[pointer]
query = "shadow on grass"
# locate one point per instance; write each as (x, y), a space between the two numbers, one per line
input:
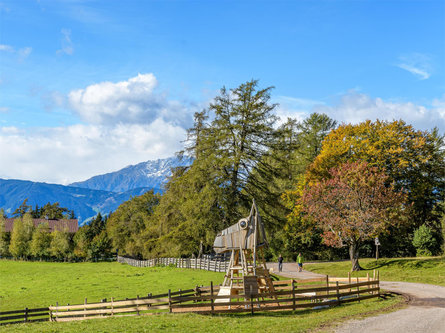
(287, 313)
(405, 263)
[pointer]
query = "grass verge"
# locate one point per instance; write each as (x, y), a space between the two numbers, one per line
(420, 270)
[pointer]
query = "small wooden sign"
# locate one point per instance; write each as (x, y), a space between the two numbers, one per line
(250, 285)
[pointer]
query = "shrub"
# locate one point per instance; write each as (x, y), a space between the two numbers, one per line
(424, 241)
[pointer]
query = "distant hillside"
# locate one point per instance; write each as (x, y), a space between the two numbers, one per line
(150, 174)
(86, 203)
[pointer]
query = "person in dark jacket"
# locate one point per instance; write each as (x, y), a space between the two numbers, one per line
(280, 263)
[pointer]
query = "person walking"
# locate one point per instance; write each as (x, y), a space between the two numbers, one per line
(300, 262)
(280, 263)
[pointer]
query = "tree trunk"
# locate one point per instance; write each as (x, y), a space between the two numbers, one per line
(353, 254)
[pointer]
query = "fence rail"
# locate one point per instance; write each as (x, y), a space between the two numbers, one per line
(217, 265)
(24, 316)
(288, 295)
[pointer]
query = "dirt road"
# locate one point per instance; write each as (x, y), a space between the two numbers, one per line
(425, 313)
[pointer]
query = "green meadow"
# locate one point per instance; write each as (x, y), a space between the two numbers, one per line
(36, 284)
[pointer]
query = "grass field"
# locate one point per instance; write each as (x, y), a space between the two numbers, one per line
(35, 284)
(421, 270)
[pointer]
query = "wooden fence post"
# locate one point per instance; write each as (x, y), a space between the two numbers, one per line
(251, 300)
(137, 304)
(293, 294)
(369, 287)
(212, 301)
(84, 307)
(169, 301)
(349, 281)
(358, 290)
(338, 292)
(327, 285)
(112, 306)
(57, 311)
(378, 283)
(26, 314)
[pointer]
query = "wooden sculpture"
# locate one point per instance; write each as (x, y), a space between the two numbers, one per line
(247, 269)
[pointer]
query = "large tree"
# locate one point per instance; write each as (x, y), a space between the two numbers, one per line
(353, 204)
(228, 142)
(412, 159)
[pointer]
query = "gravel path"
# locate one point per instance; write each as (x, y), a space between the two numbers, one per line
(425, 313)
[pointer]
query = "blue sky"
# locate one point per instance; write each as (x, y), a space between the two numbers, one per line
(88, 87)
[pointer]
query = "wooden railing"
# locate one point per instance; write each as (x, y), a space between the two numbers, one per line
(24, 316)
(205, 263)
(288, 295)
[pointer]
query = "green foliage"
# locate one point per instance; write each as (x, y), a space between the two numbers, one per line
(60, 244)
(424, 241)
(4, 237)
(413, 159)
(41, 241)
(229, 142)
(92, 241)
(22, 209)
(19, 244)
(128, 226)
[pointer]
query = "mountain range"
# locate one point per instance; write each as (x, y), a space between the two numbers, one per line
(102, 193)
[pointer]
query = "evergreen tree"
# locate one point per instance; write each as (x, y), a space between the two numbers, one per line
(22, 209)
(53, 211)
(229, 142)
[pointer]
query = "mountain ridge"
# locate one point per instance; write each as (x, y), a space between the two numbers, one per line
(101, 193)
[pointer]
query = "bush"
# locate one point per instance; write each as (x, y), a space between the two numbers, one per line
(424, 241)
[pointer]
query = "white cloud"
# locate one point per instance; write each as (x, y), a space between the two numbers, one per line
(6, 48)
(67, 44)
(131, 101)
(22, 53)
(67, 154)
(124, 123)
(356, 107)
(292, 107)
(4, 109)
(417, 64)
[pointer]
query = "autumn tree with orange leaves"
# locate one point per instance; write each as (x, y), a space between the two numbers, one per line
(353, 204)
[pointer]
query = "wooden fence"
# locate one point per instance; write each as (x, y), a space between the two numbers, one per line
(289, 295)
(24, 316)
(208, 264)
